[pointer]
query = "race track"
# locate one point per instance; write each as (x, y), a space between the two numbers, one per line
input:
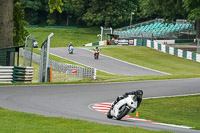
(74, 101)
(105, 63)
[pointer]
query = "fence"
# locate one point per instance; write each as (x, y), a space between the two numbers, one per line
(66, 71)
(173, 51)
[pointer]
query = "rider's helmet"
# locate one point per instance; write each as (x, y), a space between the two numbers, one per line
(96, 47)
(139, 93)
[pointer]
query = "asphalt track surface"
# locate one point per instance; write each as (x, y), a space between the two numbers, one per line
(74, 101)
(104, 63)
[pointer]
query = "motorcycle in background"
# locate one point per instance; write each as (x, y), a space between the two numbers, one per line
(96, 54)
(71, 49)
(123, 107)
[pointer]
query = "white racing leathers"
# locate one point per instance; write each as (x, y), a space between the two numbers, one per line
(123, 107)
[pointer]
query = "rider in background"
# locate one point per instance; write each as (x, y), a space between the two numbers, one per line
(97, 49)
(70, 44)
(138, 96)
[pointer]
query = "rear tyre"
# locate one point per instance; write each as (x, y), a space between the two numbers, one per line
(122, 112)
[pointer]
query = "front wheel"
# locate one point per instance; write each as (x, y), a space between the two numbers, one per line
(122, 112)
(109, 115)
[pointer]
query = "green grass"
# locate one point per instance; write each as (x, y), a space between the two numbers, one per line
(18, 122)
(143, 56)
(188, 43)
(182, 110)
(62, 37)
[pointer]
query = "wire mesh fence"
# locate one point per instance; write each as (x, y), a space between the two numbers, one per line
(198, 45)
(63, 72)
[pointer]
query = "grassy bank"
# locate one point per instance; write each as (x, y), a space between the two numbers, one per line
(174, 110)
(143, 56)
(62, 37)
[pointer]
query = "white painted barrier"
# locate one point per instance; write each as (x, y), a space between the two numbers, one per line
(6, 74)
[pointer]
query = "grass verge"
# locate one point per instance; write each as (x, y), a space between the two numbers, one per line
(182, 110)
(143, 56)
(62, 37)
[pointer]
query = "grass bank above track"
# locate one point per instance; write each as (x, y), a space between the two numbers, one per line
(62, 37)
(146, 57)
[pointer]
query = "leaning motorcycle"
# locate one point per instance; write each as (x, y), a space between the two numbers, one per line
(123, 107)
(96, 55)
(71, 49)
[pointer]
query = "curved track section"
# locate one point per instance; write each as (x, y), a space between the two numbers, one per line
(104, 63)
(105, 107)
(73, 101)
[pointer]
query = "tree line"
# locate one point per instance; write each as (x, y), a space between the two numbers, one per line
(108, 13)
(115, 13)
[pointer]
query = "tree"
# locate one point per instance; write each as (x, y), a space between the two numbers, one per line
(19, 31)
(6, 23)
(193, 7)
(31, 8)
(55, 4)
(98, 12)
(109, 12)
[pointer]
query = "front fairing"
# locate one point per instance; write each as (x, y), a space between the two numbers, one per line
(131, 102)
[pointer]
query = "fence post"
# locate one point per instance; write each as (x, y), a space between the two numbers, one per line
(95, 73)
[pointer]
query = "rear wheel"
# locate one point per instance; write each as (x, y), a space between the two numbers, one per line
(123, 110)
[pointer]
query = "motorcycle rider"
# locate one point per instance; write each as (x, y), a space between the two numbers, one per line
(70, 44)
(138, 97)
(96, 51)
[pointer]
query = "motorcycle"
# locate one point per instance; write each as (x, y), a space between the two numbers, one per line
(96, 54)
(123, 107)
(71, 49)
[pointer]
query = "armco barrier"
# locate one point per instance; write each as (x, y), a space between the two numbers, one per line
(22, 74)
(6, 74)
(173, 51)
(100, 43)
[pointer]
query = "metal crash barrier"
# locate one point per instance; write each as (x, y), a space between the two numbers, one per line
(22, 74)
(6, 74)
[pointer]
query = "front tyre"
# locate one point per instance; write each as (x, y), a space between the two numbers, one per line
(109, 115)
(122, 112)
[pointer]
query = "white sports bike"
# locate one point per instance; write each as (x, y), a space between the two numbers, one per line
(123, 107)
